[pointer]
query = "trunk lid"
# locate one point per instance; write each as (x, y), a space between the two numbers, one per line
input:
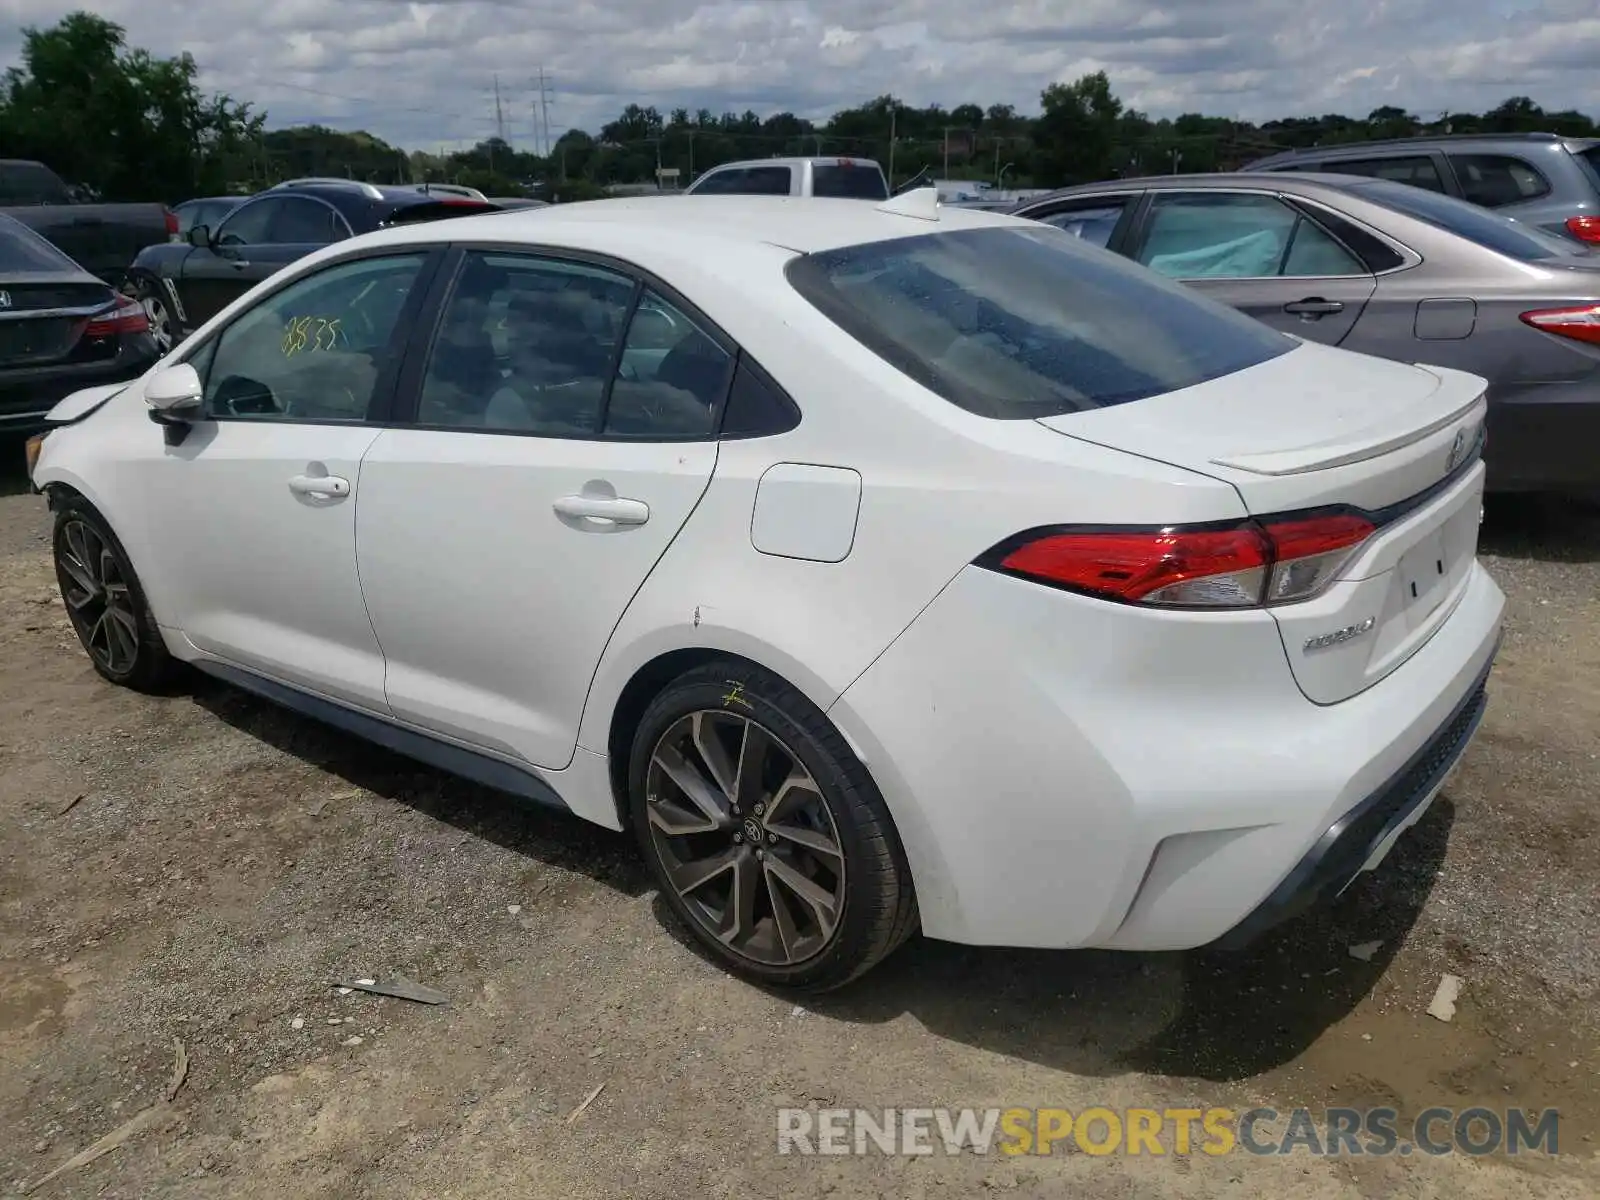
(1321, 427)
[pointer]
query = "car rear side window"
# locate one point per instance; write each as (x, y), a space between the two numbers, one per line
(1589, 157)
(1417, 170)
(848, 181)
(1027, 322)
(1221, 235)
(1495, 180)
(1488, 229)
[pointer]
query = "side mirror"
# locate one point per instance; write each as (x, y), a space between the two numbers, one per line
(174, 395)
(200, 237)
(173, 389)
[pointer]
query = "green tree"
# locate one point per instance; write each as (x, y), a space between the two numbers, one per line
(1076, 137)
(128, 124)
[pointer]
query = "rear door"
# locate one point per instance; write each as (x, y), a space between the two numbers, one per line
(562, 429)
(1258, 253)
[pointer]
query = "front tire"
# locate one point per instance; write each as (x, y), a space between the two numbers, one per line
(766, 836)
(163, 329)
(105, 602)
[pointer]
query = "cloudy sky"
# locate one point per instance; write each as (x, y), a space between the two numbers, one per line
(422, 74)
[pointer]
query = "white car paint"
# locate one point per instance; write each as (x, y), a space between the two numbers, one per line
(1062, 770)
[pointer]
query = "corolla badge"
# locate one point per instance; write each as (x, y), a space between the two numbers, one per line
(1323, 640)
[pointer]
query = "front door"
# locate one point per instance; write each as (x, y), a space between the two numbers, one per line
(563, 432)
(1257, 253)
(262, 493)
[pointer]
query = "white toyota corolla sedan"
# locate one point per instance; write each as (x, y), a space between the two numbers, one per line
(882, 567)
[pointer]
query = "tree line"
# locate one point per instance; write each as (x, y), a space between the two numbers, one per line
(131, 126)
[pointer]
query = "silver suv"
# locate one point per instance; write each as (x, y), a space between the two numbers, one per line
(1540, 179)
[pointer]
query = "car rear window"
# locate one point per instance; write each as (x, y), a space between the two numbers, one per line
(1488, 229)
(1589, 156)
(23, 251)
(1025, 322)
(848, 181)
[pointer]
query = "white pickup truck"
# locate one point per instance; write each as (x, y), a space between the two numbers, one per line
(848, 178)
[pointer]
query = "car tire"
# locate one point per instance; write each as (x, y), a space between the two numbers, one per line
(105, 602)
(163, 328)
(805, 831)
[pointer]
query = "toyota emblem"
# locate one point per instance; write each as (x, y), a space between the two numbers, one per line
(5, 299)
(1458, 449)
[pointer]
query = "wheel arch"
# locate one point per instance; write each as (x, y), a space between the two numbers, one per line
(651, 677)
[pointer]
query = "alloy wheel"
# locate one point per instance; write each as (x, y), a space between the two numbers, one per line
(745, 837)
(98, 598)
(155, 312)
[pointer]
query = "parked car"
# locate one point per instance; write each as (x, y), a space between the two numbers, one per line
(1385, 269)
(844, 178)
(206, 210)
(1541, 179)
(855, 556)
(61, 329)
(183, 285)
(102, 238)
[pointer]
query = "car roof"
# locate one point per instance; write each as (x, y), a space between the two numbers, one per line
(1217, 181)
(803, 224)
(827, 160)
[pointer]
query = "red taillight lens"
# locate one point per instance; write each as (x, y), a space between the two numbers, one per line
(1240, 567)
(172, 222)
(1585, 229)
(1582, 323)
(127, 317)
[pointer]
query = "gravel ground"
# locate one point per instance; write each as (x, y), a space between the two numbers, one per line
(227, 862)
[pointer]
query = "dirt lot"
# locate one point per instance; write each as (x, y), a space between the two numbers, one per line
(227, 861)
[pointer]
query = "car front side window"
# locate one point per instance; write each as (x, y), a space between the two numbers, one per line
(313, 351)
(250, 224)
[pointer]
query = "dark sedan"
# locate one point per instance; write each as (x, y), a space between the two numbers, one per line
(61, 329)
(1389, 270)
(182, 285)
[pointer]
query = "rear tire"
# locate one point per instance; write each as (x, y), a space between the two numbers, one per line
(766, 835)
(105, 602)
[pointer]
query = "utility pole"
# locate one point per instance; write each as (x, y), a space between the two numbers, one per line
(691, 154)
(544, 109)
(892, 108)
(499, 113)
(947, 152)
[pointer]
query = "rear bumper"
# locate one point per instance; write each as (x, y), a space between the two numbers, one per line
(1544, 439)
(1346, 846)
(1069, 773)
(27, 394)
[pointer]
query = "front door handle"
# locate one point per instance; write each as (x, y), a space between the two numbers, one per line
(604, 508)
(324, 486)
(1313, 306)
(240, 264)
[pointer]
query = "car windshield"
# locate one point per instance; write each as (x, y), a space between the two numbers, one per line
(1488, 229)
(849, 181)
(23, 252)
(1024, 322)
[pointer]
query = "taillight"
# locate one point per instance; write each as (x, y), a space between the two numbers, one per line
(1581, 323)
(1241, 566)
(172, 222)
(1585, 229)
(127, 317)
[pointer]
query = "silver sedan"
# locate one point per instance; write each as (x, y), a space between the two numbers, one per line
(1389, 270)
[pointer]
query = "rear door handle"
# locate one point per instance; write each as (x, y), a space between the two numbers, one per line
(325, 486)
(1313, 306)
(604, 508)
(240, 264)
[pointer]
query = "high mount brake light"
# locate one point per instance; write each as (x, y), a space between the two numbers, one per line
(1277, 561)
(1581, 324)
